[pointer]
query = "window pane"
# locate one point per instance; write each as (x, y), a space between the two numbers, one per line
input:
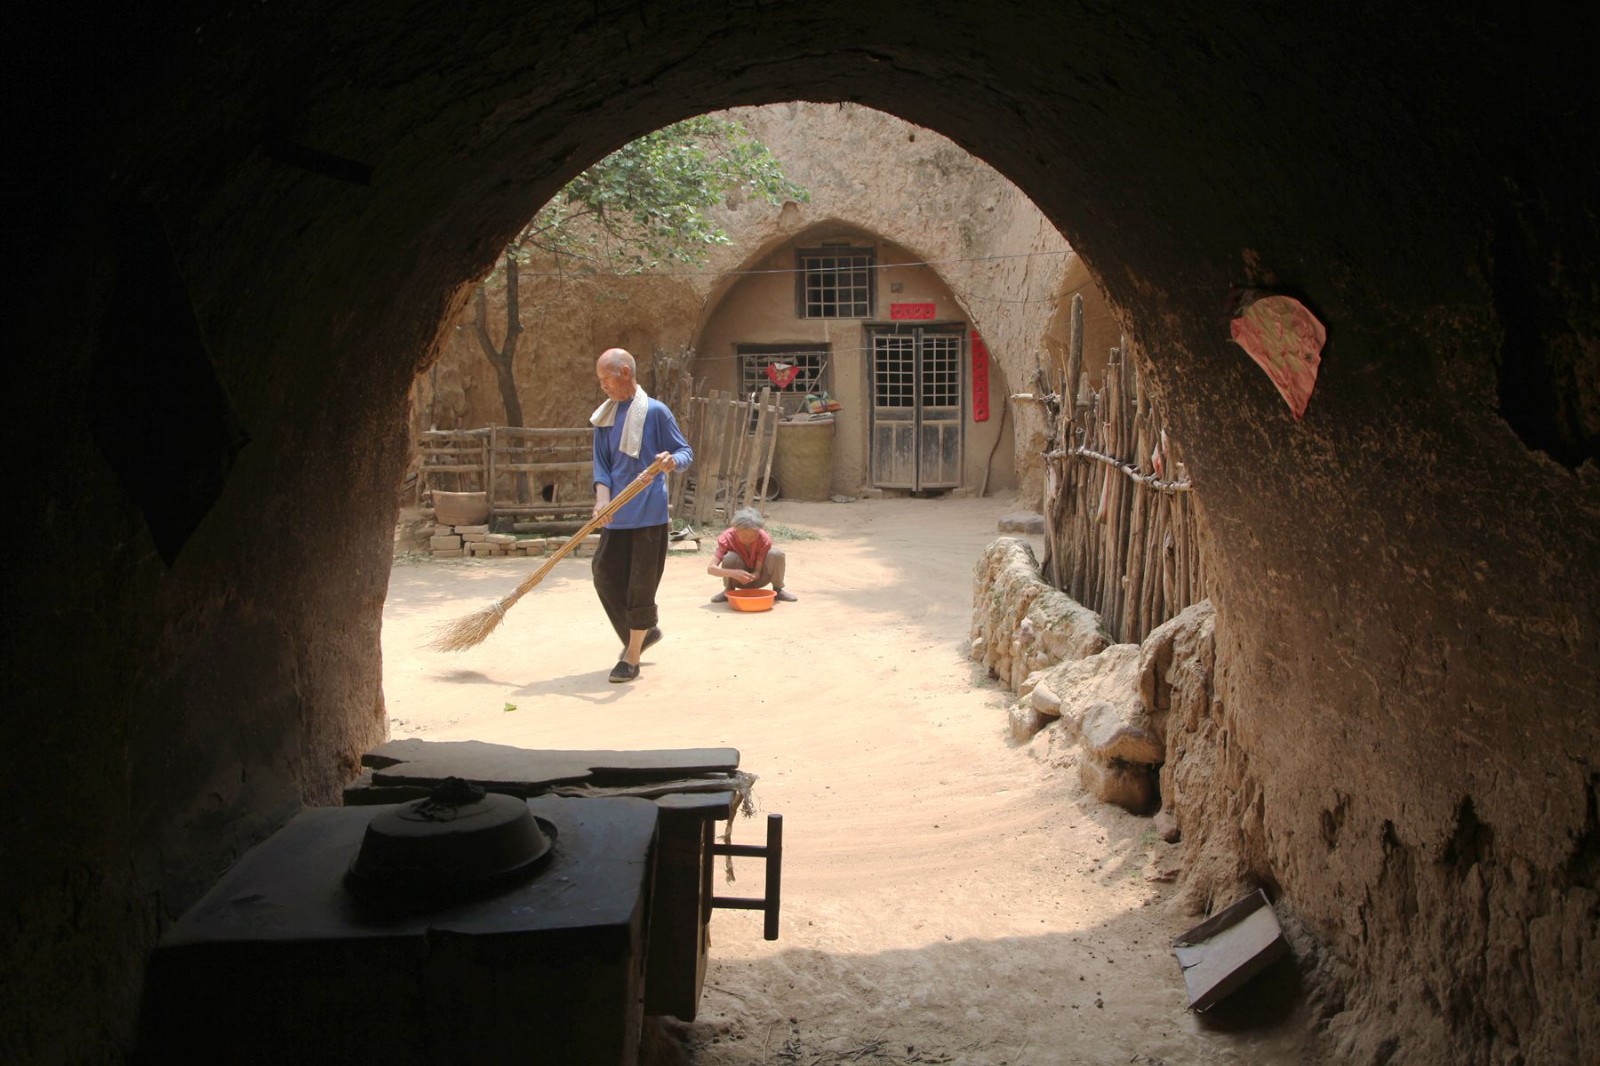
(836, 285)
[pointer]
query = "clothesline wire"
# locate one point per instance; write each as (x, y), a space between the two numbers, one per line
(780, 270)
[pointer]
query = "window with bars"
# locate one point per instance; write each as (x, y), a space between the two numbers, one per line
(899, 355)
(941, 370)
(835, 282)
(894, 370)
(810, 364)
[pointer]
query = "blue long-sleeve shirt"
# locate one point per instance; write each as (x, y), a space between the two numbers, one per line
(617, 470)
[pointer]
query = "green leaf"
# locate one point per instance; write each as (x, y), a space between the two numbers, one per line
(645, 203)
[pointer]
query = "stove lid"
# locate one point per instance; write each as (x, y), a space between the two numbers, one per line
(458, 840)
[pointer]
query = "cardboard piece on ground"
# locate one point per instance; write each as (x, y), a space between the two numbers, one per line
(1227, 949)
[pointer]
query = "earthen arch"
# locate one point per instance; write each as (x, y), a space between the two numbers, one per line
(1405, 579)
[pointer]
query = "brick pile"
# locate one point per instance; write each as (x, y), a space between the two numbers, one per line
(454, 542)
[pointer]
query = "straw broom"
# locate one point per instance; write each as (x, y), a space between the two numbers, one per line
(474, 629)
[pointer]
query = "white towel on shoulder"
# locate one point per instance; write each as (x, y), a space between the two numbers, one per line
(633, 429)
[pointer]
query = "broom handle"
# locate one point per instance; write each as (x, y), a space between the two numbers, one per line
(636, 486)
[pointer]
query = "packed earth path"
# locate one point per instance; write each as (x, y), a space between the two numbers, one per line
(947, 897)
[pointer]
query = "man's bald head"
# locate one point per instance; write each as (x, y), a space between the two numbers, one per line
(615, 369)
(615, 361)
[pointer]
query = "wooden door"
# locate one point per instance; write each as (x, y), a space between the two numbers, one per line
(916, 407)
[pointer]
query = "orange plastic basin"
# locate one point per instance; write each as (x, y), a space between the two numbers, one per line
(751, 599)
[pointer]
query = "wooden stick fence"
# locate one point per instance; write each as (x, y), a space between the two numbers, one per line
(1121, 537)
(542, 472)
(527, 472)
(733, 442)
(454, 460)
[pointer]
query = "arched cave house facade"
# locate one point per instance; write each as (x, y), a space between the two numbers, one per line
(874, 325)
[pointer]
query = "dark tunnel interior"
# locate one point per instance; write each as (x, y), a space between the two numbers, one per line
(237, 232)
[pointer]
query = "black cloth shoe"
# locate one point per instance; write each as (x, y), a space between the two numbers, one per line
(721, 597)
(623, 671)
(786, 596)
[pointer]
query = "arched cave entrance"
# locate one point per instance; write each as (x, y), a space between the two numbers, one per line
(753, 319)
(297, 198)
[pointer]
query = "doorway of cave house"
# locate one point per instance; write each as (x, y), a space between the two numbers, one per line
(945, 890)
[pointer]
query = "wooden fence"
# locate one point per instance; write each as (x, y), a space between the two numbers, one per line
(733, 442)
(1120, 531)
(453, 460)
(527, 472)
(546, 473)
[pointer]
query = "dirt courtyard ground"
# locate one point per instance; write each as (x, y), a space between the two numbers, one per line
(948, 898)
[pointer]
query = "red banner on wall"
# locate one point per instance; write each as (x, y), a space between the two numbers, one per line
(980, 379)
(904, 312)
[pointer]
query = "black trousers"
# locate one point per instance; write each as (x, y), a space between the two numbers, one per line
(627, 570)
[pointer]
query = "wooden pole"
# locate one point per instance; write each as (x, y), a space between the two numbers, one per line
(753, 466)
(1074, 354)
(775, 415)
(710, 481)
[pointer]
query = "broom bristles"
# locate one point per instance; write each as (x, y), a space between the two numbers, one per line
(475, 628)
(467, 632)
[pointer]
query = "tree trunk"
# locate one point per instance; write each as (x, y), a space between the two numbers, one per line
(503, 358)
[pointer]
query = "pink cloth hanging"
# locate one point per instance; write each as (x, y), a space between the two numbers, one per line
(1285, 339)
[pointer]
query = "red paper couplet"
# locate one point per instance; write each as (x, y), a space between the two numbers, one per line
(980, 379)
(904, 312)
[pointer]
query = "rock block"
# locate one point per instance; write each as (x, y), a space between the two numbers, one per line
(1024, 623)
(1022, 522)
(1130, 786)
(1044, 700)
(1025, 722)
(448, 553)
(444, 542)
(1108, 736)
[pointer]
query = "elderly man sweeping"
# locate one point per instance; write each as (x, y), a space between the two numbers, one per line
(745, 557)
(630, 432)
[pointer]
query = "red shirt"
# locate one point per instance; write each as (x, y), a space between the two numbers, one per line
(727, 541)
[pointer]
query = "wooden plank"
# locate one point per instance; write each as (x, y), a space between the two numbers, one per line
(774, 415)
(544, 433)
(678, 486)
(738, 430)
(753, 459)
(730, 444)
(706, 487)
(528, 468)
